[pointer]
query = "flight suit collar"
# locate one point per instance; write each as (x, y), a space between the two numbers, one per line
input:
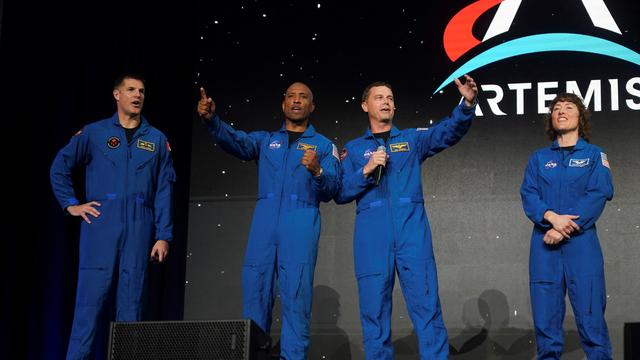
(277, 156)
(566, 157)
(144, 125)
(394, 132)
(580, 145)
(140, 157)
(308, 132)
(400, 160)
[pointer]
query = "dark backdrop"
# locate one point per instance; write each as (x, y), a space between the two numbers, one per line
(59, 60)
(249, 52)
(58, 63)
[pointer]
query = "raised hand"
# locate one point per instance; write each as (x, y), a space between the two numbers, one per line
(206, 106)
(469, 90)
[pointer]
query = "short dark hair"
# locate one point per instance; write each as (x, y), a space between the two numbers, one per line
(367, 90)
(121, 78)
(584, 126)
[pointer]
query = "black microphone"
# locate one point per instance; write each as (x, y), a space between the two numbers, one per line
(377, 173)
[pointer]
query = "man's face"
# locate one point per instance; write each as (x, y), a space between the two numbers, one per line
(379, 104)
(298, 103)
(130, 96)
(565, 117)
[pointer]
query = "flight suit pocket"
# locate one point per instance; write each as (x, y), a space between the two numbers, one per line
(291, 281)
(253, 281)
(108, 212)
(147, 168)
(577, 180)
(145, 163)
(364, 276)
(371, 205)
(93, 282)
(581, 291)
(547, 299)
(415, 277)
(143, 210)
(420, 285)
(295, 294)
(598, 303)
(590, 303)
(372, 288)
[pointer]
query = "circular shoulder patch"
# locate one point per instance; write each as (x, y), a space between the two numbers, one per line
(113, 142)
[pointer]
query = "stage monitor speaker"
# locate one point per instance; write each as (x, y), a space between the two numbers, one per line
(188, 340)
(631, 341)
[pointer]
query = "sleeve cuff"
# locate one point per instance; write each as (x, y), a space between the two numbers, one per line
(164, 236)
(70, 202)
(364, 180)
(212, 125)
(468, 109)
(542, 221)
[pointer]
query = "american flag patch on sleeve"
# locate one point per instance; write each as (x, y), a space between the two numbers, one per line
(605, 161)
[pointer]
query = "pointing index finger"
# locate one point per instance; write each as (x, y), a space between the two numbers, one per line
(203, 94)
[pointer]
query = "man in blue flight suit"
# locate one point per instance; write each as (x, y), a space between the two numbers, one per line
(297, 168)
(128, 213)
(565, 188)
(381, 171)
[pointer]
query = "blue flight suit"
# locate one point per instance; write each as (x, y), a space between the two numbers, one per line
(576, 182)
(283, 239)
(392, 233)
(133, 183)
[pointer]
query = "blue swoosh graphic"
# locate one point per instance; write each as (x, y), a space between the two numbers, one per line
(545, 43)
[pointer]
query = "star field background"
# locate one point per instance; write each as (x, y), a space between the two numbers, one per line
(250, 51)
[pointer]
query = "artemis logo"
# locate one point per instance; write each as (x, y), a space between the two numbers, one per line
(458, 38)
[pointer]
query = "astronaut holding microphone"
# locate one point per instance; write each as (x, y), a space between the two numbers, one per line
(381, 172)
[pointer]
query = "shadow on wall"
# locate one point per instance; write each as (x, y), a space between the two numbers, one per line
(487, 334)
(328, 341)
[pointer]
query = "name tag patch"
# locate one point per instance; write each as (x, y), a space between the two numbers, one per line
(398, 147)
(146, 145)
(302, 146)
(578, 162)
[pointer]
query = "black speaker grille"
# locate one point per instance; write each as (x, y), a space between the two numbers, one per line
(176, 340)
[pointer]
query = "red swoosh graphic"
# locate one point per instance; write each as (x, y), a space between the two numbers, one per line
(458, 38)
